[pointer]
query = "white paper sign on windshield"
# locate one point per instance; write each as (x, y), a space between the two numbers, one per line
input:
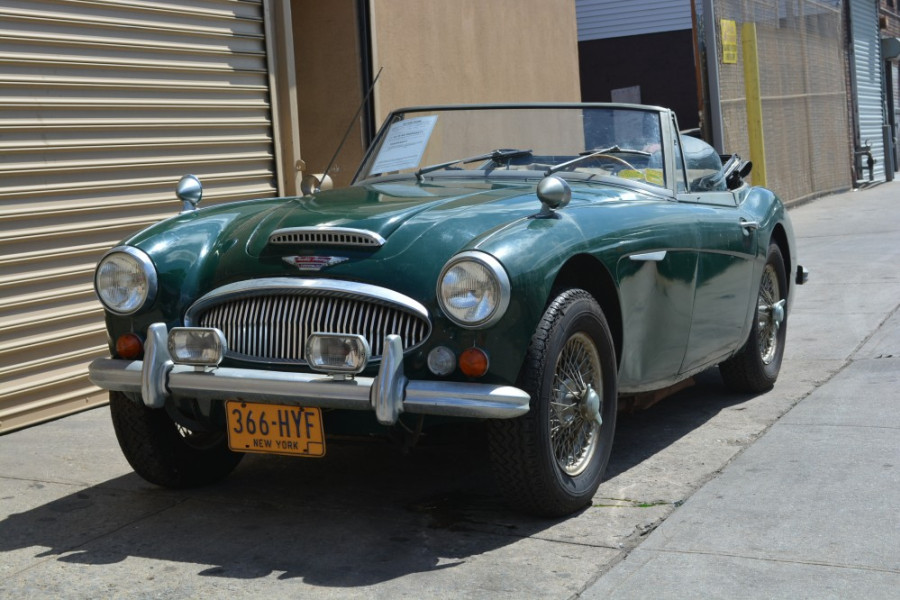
(404, 144)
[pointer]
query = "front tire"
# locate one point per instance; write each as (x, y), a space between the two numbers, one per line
(755, 367)
(165, 453)
(551, 460)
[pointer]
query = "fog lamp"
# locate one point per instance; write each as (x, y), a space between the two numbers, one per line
(441, 361)
(473, 362)
(198, 346)
(129, 346)
(337, 353)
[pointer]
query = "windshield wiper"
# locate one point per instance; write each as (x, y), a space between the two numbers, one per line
(591, 154)
(498, 156)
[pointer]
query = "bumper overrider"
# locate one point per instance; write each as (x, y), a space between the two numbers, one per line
(158, 378)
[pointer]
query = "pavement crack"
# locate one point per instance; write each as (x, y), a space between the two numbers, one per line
(787, 561)
(872, 334)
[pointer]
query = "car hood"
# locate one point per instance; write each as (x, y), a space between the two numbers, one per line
(423, 225)
(386, 209)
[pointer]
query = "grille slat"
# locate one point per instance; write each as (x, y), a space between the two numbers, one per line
(274, 327)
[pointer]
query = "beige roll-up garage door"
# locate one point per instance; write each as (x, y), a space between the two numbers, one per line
(103, 106)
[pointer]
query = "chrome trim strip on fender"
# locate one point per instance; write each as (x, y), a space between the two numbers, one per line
(649, 256)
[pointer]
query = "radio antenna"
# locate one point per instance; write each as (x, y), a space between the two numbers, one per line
(352, 121)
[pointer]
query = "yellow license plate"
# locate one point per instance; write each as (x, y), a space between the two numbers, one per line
(275, 429)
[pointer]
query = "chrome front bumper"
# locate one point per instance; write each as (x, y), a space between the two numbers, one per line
(390, 393)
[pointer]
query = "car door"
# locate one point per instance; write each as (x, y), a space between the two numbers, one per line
(656, 287)
(657, 277)
(726, 253)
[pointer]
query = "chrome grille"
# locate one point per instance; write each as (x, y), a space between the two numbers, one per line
(274, 327)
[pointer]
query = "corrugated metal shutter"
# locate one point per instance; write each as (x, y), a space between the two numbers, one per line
(868, 80)
(601, 19)
(103, 106)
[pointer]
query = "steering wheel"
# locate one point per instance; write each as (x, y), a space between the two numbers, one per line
(623, 162)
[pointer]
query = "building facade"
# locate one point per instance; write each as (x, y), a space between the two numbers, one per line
(640, 52)
(815, 70)
(889, 24)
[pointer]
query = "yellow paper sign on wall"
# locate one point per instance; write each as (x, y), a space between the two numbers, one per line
(729, 42)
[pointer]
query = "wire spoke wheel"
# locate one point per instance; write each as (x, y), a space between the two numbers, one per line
(573, 429)
(755, 367)
(551, 460)
(770, 314)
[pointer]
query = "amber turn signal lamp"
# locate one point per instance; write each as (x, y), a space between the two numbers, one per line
(129, 346)
(473, 362)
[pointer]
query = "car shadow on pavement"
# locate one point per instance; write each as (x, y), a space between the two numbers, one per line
(643, 433)
(366, 515)
(369, 513)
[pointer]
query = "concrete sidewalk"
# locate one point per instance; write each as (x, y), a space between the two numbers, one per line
(812, 508)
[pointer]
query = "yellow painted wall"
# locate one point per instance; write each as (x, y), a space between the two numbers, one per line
(447, 52)
(473, 51)
(329, 85)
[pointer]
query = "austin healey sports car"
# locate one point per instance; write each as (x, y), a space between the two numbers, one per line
(522, 265)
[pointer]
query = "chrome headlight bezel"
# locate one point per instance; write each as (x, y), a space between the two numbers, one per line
(138, 292)
(494, 288)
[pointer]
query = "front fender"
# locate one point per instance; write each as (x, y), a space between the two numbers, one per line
(533, 251)
(188, 252)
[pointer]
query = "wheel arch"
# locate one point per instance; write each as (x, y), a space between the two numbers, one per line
(588, 273)
(780, 238)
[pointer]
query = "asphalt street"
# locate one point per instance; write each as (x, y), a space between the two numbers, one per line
(789, 494)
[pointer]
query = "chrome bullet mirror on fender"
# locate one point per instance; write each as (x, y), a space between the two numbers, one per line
(189, 190)
(553, 192)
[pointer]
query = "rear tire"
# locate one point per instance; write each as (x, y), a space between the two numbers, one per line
(165, 453)
(755, 367)
(551, 460)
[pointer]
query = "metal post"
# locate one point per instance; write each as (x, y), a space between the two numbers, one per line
(754, 104)
(712, 67)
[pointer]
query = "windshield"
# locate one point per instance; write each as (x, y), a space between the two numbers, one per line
(590, 142)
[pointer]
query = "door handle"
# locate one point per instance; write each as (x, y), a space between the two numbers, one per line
(749, 226)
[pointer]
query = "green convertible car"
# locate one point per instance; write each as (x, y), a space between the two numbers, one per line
(524, 265)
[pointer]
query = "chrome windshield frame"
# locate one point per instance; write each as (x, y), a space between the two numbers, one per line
(664, 115)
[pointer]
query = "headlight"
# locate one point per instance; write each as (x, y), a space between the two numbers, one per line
(473, 290)
(125, 280)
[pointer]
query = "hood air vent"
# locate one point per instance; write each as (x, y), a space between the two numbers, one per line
(326, 236)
